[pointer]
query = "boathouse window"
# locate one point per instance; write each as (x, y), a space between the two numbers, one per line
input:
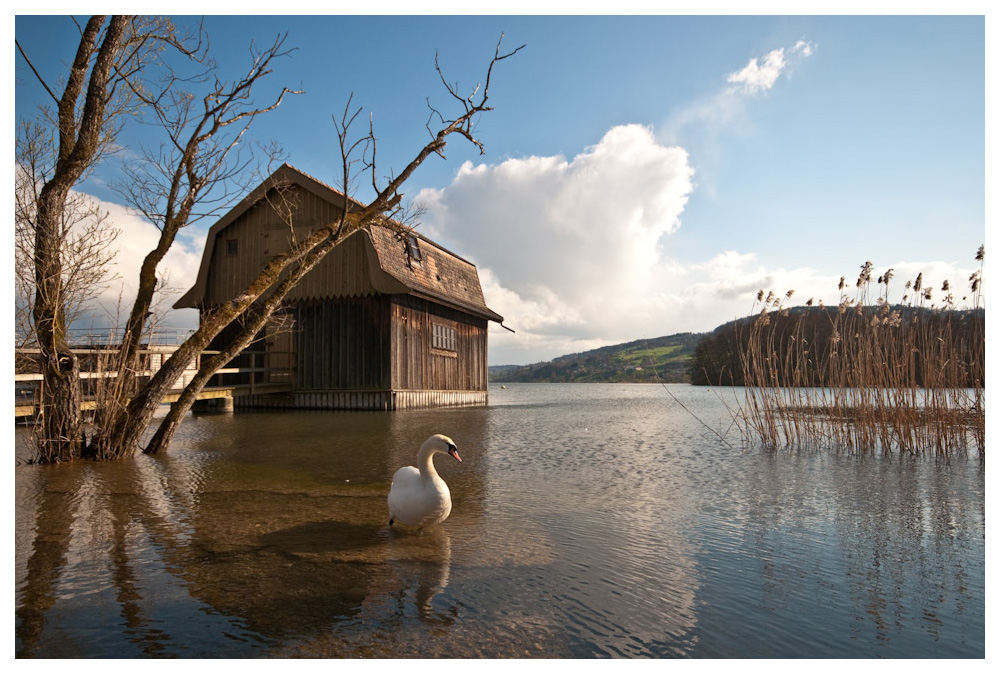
(413, 249)
(232, 247)
(444, 337)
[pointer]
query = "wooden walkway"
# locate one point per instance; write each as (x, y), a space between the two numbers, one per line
(258, 380)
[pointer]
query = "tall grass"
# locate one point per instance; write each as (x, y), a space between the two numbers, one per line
(866, 375)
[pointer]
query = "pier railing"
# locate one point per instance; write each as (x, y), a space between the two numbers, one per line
(249, 373)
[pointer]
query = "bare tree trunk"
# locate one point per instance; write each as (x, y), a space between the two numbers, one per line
(140, 314)
(119, 436)
(167, 194)
(169, 424)
(60, 434)
(126, 361)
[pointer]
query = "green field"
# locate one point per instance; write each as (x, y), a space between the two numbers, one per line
(662, 359)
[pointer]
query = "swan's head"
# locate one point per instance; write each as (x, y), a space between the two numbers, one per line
(443, 444)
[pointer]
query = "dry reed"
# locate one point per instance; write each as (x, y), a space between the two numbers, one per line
(870, 377)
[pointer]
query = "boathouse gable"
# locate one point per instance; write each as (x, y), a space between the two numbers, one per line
(386, 320)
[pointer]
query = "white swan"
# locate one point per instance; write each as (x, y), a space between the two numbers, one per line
(419, 497)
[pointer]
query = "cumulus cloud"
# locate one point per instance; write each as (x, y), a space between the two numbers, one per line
(575, 253)
(177, 272)
(564, 244)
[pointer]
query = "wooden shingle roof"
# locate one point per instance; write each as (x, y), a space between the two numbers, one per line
(438, 275)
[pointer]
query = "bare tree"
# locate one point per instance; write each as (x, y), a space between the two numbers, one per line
(200, 165)
(122, 66)
(86, 236)
(190, 176)
(88, 116)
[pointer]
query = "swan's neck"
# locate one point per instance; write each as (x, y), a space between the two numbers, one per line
(425, 462)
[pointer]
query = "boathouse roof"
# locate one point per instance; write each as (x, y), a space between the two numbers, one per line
(394, 262)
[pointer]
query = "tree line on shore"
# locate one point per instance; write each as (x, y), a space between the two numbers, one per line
(800, 346)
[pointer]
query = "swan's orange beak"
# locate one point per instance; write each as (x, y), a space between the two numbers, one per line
(453, 450)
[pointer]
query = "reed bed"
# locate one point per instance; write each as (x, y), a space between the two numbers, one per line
(865, 375)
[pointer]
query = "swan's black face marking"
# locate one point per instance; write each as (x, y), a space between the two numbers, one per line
(453, 450)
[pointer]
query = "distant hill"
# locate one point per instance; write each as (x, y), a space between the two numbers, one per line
(661, 359)
(803, 341)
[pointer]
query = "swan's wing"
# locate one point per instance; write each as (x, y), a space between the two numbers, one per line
(404, 476)
(404, 483)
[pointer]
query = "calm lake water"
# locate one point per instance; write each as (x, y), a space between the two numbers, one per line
(588, 521)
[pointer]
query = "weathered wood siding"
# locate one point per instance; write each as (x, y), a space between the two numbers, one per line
(260, 234)
(384, 401)
(417, 365)
(343, 344)
(344, 272)
(250, 356)
(403, 400)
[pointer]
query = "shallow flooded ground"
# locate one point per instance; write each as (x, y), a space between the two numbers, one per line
(588, 521)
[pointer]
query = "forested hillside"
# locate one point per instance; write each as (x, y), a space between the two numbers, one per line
(801, 345)
(713, 358)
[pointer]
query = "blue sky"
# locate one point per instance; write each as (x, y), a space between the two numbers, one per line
(643, 175)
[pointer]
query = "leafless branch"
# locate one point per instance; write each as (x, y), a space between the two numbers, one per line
(464, 123)
(38, 75)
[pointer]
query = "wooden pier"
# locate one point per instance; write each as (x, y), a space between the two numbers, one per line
(254, 380)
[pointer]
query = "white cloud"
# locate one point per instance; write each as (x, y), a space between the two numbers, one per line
(563, 245)
(177, 272)
(760, 75)
(756, 76)
(724, 109)
(575, 253)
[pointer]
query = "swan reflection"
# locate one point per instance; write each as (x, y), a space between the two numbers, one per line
(419, 567)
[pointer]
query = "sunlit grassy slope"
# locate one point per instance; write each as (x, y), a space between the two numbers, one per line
(642, 361)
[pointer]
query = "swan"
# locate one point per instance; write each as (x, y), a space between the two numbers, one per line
(419, 497)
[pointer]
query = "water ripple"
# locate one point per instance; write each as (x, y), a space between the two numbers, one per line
(588, 521)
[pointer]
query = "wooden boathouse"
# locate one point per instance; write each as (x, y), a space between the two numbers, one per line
(386, 321)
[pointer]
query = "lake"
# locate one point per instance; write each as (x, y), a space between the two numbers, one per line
(589, 521)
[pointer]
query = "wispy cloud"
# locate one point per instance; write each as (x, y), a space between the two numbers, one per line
(759, 75)
(723, 109)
